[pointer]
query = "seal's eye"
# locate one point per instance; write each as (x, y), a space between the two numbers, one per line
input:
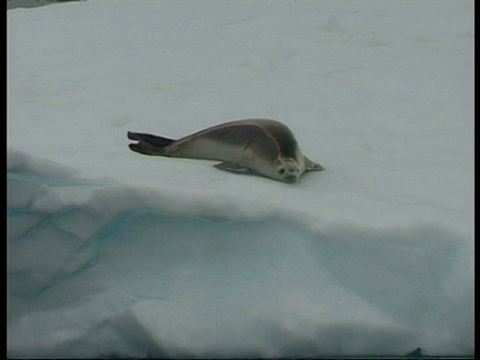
(281, 171)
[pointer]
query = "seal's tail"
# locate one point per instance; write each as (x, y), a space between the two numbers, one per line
(148, 144)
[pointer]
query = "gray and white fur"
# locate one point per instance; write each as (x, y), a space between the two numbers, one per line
(265, 147)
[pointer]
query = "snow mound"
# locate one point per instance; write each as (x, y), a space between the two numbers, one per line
(100, 271)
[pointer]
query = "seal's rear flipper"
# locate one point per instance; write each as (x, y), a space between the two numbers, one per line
(232, 167)
(140, 149)
(148, 144)
(312, 166)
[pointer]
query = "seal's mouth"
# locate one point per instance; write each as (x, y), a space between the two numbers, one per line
(290, 179)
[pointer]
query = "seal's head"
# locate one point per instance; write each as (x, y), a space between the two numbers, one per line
(288, 171)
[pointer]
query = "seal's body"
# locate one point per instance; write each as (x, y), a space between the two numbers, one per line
(266, 147)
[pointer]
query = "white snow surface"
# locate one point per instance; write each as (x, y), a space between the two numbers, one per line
(116, 254)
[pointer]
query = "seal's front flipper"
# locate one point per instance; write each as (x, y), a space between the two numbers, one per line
(232, 167)
(148, 144)
(312, 166)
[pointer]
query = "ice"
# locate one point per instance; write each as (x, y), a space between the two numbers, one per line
(108, 277)
(115, 254)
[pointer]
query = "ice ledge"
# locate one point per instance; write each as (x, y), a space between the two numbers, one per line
(85, 259)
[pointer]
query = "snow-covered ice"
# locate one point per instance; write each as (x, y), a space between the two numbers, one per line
(111, 253)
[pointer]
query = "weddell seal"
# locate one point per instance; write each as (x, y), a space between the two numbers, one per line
(262, 146)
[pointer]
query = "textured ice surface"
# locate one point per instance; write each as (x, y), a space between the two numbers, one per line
(100, 276)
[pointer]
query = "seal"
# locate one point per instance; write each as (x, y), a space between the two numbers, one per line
(261, 146)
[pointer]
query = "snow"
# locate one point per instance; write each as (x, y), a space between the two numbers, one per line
(111, 253)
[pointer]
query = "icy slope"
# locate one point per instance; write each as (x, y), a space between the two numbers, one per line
(111, 253)
(108, 272)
